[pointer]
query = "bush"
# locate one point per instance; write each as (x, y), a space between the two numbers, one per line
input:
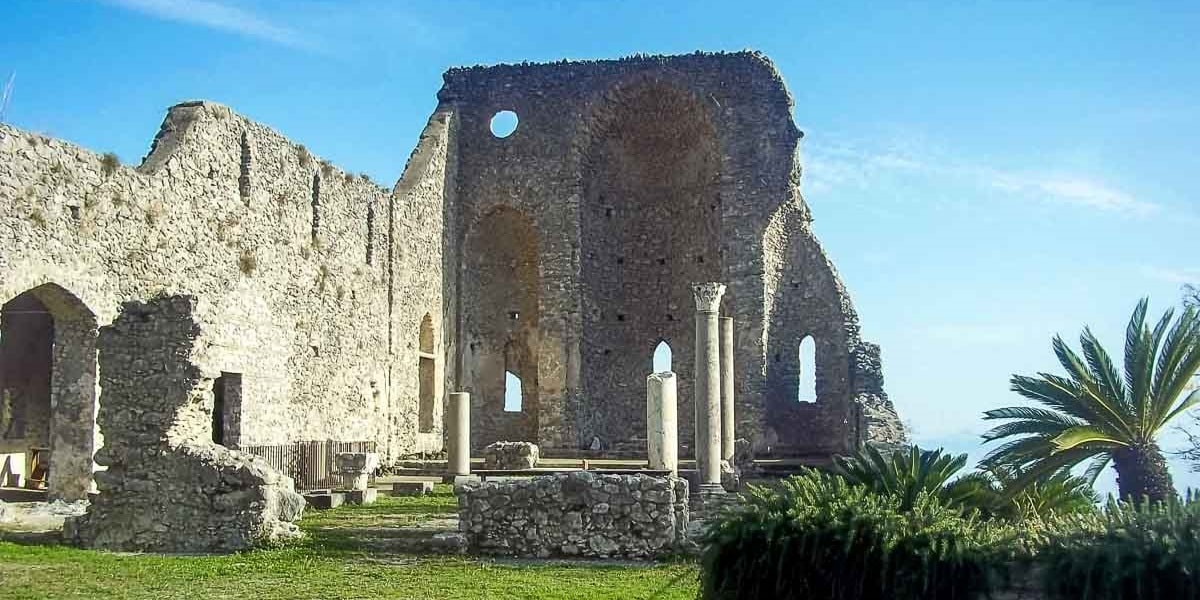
(817, 536)
(1149, 552)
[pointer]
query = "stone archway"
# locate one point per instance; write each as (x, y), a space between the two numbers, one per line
(48, 385)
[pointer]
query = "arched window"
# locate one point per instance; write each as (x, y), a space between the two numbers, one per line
(807, 390)
(662, 357)
(512, 392)
(427, 376)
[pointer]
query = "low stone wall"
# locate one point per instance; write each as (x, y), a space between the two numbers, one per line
(168, 487)
(575, 514)
(511, 455)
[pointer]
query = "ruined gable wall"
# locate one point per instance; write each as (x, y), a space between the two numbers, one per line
(419, 211)
(544, 170)
(223, 209)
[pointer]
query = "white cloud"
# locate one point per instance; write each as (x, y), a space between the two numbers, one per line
(220, 16)
(832, 164)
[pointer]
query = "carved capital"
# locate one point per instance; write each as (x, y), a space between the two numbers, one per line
(708, 296)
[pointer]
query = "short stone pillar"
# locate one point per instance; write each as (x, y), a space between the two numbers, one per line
(708, 386)
(727, 432)
(355, 468)
(662, 429)
(458, 434)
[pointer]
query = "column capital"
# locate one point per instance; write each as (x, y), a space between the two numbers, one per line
(708, 296)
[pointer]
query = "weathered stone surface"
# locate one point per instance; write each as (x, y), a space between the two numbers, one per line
(5, 512)
(167, 486)
(575, 514)
(510, 455)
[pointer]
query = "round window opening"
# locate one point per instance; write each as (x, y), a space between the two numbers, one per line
(504, 123)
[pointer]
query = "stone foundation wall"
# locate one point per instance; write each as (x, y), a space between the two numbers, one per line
(575, 514)
(168, 487)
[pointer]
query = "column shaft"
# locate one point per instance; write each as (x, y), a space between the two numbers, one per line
(727, 427)
(662, 430)
(708, 383)
(458, 434)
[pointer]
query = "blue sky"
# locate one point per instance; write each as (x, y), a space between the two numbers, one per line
(984, 176)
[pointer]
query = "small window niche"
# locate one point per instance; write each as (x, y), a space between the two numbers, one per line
(427, 376)
(227, 410)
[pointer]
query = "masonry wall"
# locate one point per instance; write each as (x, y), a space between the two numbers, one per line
(575, 514)
(637, 178)
(167, 487)
(315, 280)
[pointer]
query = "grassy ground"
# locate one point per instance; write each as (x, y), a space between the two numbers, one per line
(328, 566)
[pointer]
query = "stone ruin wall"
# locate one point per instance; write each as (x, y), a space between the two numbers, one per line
(317, 279)
(577, 514)
(625, 182)
(166, 486)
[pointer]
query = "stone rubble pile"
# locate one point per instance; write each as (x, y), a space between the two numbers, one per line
(578, 514)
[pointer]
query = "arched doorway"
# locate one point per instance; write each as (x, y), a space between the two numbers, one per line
(48, 386)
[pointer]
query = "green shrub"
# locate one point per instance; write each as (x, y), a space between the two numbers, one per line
(817, 536)
(1149, 552)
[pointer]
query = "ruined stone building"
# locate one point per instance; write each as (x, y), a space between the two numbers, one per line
(555, 258)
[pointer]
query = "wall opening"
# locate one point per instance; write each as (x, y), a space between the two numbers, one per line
(227, 410)
(26, 356)
(662, 357)
(807, 386)
(316, 205)
(427, 376)
(504, 123)
(514, 396)
(48, 390)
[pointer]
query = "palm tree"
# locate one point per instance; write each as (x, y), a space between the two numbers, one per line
(1094, 414)
(906, 473)
(996, 493)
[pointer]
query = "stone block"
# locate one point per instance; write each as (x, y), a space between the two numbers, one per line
(326, 500)
(412, 488)
(367, 496)
(510, 456)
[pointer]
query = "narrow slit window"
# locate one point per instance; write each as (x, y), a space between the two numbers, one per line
(662, 357)
(807, 389)
(512, 392)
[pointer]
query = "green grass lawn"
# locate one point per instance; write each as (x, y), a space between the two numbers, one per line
(328, 566)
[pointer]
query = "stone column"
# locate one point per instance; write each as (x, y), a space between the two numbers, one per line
(458, 434)
(662, 430)
(727, 432)
(708, 386)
